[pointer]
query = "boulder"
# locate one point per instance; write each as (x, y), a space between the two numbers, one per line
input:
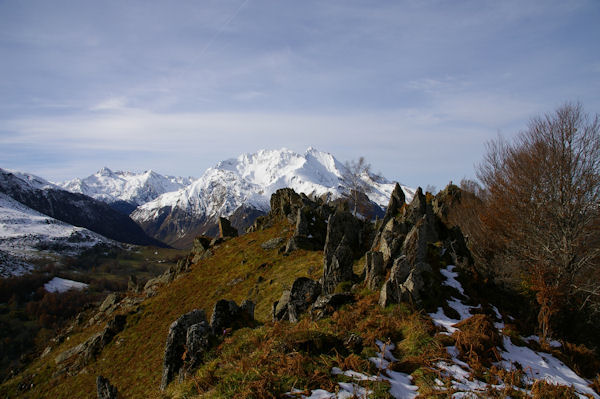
(197, 343)
(110, 301)
(176, 342)
(273, 243)
(298, 300)
(104, 389)
(343, 243)
(226, 229)
(374, 270)
(227, 314)
(327, 304)
(390, 239)
(280, 307)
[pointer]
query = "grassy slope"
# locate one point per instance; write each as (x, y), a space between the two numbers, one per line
(133, 361)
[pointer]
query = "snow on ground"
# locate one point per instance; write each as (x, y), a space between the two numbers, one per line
(540, 365)
(537, 365)
(400, 384)
(58, 284)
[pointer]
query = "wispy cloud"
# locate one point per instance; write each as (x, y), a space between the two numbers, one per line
(417, 87)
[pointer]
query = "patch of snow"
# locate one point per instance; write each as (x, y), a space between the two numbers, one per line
(539, 365)
(58, 284)
(553, 343)
(401, 386)
(451, 280)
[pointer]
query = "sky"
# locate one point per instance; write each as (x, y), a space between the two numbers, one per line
(416, 87)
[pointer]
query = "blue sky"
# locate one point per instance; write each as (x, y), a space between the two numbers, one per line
(416, 87)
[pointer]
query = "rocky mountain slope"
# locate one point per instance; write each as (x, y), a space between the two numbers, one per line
(315, 303)
(241, 189)
(125, 191)
(75, 209)
(27, 235)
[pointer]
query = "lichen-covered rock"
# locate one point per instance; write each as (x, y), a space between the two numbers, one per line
(424, 232)
(110, 302)
(273, 243)
(327, 304)
(89, 350)
(406, 283)
(297, 300)
(197, 343)
(104, 389)
(175, 345)
(374, 270)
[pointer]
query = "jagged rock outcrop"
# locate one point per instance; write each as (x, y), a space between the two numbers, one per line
(406, 283)
(110, 302)
(343, 244)
(175, 345)
(374, 270)
(397, 202)
(412, 237)
(416, 209)
(311, 227)
(225, 228)
(192, 335)
(104, 389)
(297, 300)
(89, 350)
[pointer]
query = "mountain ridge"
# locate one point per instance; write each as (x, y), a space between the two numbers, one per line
(72, 208)
(249, 180)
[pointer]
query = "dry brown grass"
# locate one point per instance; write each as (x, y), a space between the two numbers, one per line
(477, 340)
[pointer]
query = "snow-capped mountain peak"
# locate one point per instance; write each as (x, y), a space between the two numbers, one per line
(249, 181)
(134, 188)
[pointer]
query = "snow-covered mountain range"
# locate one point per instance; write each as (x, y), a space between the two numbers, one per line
(176, 209)
(245, 184)
(38, 218)
(125, 190)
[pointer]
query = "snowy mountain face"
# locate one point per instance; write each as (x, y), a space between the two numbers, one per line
(71, 208)
(132, 188)
(27, 235)
(249, 181)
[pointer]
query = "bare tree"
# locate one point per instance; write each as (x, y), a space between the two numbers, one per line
(355, 175)
(542, 199)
